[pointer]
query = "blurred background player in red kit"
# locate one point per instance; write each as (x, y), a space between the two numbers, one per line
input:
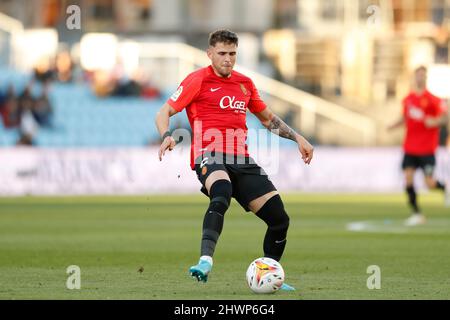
(423, 115)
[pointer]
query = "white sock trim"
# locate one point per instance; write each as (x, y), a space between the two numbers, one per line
(207, 258)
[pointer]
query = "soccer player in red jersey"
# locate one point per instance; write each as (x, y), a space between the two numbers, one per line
(216, 100)
(423, 114)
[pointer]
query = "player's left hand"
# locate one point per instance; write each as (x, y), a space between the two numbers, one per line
(305, 148)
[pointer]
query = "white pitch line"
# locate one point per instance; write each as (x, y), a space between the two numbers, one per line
(376, 226)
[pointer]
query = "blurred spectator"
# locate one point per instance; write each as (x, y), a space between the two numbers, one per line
(28, 125)
(118, 83)
(147, 89)
(26, 100)
(2, 99)
(25, 140)
(42, 109)
(126, 87)
(9, 109)
(26, 112)
(43, 71)
(64, 67)
(102, 84)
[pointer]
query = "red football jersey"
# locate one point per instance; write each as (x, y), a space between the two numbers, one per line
(419, 139)
(216, 108)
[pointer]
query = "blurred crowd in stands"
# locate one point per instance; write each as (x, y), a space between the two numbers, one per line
(28, 110)
(119, 83)
(116, 82)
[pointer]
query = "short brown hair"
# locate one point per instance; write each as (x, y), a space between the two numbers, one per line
(225, 36)
(420, 68)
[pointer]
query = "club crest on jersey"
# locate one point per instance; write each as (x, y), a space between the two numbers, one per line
(415, 113)
(244, 91)
(177, 94)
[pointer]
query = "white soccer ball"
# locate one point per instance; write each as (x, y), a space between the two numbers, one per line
(265, 275)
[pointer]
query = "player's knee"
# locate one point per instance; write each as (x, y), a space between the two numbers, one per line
(409, 182)
(409, 177)
(220, 195)
(274, 214)
(281, 225)
(429, 181)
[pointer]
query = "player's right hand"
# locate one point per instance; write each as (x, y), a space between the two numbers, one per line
(168, 143)
(431, 122)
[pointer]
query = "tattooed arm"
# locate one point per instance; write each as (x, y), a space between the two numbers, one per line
(277, 126)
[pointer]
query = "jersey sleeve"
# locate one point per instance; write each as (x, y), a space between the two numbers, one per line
(186, 92)
(439, 105)
(442, 106)
(256, 104)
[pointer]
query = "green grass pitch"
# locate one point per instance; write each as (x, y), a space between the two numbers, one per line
(111, 238)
